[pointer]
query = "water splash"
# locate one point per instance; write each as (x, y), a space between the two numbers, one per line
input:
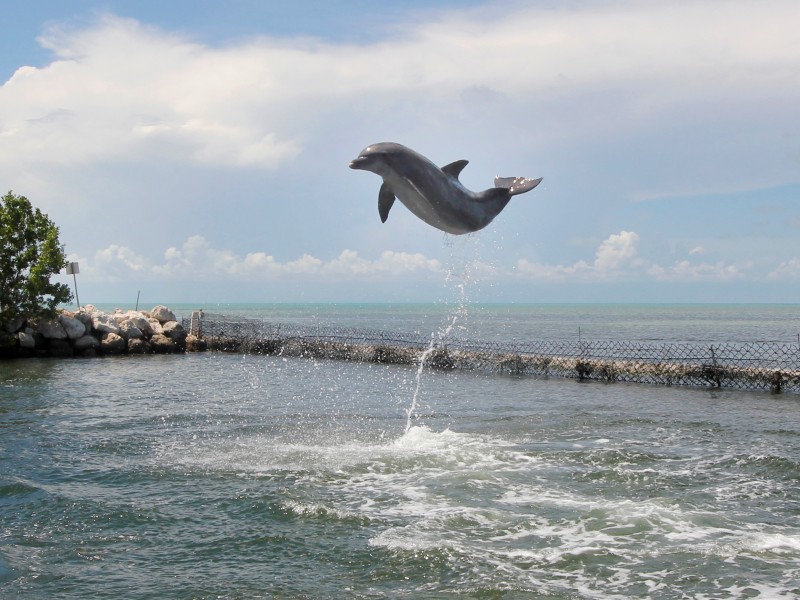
(461, 278)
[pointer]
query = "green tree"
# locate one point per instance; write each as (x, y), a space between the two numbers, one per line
(29, 255)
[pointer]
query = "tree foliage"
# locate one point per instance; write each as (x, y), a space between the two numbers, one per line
(29, 255)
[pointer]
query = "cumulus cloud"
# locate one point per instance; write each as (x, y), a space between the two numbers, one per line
(196, 259)
(789, 269)
(120, 88)
(617, 258)
(653, 99)
(617, 251)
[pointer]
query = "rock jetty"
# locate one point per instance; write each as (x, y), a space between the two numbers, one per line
(92, 332)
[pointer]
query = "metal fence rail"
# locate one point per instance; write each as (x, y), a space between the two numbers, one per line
(753, 365)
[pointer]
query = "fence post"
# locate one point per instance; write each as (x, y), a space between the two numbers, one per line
(715, 368)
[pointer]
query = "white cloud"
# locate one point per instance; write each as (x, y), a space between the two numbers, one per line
(686, 271)
(197, 260)
(576, 272)
(616, 252)
(617, 98)
(789, 269)
(122, 89)
(616, 259)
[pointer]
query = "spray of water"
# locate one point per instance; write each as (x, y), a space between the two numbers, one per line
(457, 278)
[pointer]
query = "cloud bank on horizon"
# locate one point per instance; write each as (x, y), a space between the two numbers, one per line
(667, 134)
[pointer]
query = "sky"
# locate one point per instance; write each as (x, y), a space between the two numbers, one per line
(196, 151)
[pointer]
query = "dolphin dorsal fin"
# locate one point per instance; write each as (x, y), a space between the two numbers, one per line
(385, 201)
(454, 168)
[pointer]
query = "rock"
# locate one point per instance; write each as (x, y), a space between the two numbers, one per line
(196, 344)
(138, 346)
(129, 331)
(74, 327)
(174, 331)
(155, 326)
(88, 353)
(162, 314)
(51, 329)
(161, 344)
(112, 343)
(8, 341)
(15, 324)
(140, 322)
(26, 339)
(85, 343)
(104, 323)
(59, 348)
(86, 319)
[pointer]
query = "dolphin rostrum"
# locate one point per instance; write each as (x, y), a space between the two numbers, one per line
(436, 195)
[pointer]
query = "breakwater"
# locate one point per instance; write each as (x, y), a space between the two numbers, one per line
(91, 332)
(771, 366)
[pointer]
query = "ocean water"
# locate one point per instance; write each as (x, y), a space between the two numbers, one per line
(236, 476)
(691, 323)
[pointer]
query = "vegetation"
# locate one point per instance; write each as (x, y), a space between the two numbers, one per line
(30, 254)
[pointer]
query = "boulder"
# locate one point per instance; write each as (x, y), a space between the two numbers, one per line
(140, 322)
(161, 344)
(8, 341)
(104, 323)
(174, 331)
(162, 314)
(26, 339)
(155, 326)
(15, 324)
(74, 327)
(51, 329)
(59, 348)
(138, 346)
(195, 344)
(86, 342)
(86, 319)
(112, 343)
(129, 331)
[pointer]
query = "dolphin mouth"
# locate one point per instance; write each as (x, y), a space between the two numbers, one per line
(358, 163)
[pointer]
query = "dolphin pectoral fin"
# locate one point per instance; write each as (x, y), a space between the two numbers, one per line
(454, 168)
(516, 185)
(385, 201)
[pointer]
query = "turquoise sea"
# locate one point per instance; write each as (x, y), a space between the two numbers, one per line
(236, 476)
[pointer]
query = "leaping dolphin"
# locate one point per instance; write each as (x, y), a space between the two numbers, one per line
(436, 195)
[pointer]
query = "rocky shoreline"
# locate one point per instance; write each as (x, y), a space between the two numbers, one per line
(91, 332)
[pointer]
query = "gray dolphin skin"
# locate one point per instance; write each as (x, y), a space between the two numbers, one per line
(436, 195)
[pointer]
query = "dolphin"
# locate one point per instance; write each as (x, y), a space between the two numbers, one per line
(436, 195)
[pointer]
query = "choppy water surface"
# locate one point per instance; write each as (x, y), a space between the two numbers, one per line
(210, 475)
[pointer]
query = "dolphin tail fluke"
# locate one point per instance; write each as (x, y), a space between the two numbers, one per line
(516, 185)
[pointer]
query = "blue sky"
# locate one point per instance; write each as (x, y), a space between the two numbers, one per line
(198, 151)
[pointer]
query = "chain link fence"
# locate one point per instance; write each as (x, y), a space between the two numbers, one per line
(758, 365)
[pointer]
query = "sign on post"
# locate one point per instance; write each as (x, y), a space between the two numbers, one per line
(73, 269)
